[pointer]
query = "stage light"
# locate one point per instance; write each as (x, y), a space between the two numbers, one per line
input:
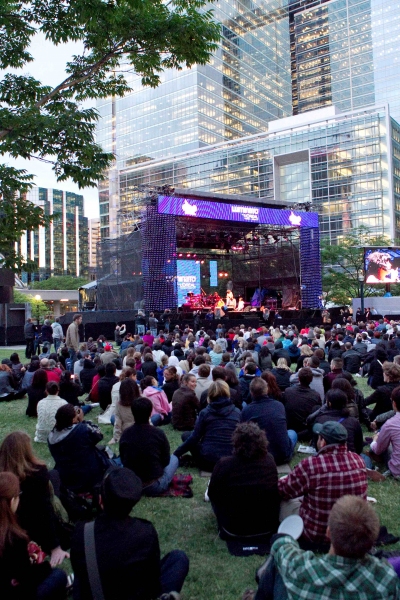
(197, 262)
(202, 262)
(220, 274)
(188, 255)
(180, 254)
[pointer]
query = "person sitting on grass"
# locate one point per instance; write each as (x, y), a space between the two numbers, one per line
(19, 578)
(185, 404)
(243, 485)
(212, 435)
(162, 410)
(128, 391)
(347, 571)
(387, 441)
(127, 548)
(72, 444)
(145, 450)
(46, 411)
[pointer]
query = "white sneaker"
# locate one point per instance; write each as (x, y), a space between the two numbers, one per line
(94, 404)
(206, 497)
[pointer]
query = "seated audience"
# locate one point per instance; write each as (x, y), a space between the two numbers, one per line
(53, 373)
(351, 359)
(86, 375)
(185, 404)
(46, 410)
(347, 571)
(273, 388)
(8, 384)
(282, 374)
(341, 383)
(127, 548)
(19, 577)
(162, 410)
(69, 389)
(381, 397)
(269, 414)
(35, 512)
(149, 366)
(224, 374)
(245, 380)
(72, 444)
(128, 392)
(212, 435)
(145, 450)
(387, 441)
(336, 370)
(171, 382)
(203, 381)
(29, 372)
(300, 401)
(243, 485)
(36, 391)
(105, 385)
(312, 362)
(316, 482)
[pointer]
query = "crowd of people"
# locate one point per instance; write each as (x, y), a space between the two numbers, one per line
(240, 399)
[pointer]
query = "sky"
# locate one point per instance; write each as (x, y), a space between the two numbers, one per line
(48, 67)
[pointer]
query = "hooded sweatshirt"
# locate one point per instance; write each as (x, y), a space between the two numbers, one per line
(159, 401)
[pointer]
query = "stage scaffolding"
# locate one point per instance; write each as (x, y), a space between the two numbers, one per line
(138, 268)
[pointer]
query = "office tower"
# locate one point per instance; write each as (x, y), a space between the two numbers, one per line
(94, 238)
(279, 66)
(61, 248)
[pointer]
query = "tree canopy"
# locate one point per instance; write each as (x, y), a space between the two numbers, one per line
(52, 124)
(343, 266)
(62, 282)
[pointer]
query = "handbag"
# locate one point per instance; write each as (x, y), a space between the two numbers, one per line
(91, 562)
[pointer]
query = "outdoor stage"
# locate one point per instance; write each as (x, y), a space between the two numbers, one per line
(174, 243)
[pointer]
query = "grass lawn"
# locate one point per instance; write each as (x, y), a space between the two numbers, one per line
(189, 524)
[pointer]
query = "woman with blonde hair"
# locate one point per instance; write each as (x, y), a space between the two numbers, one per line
(35, 512)
(282, 374)
(211, 438)
(305, 352)
(130, 353)
(216, 355)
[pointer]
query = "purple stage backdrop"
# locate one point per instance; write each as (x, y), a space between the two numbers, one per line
(202, 209)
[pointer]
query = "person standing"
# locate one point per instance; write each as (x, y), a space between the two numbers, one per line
(72, 337)
(58, 334)
(29, 334)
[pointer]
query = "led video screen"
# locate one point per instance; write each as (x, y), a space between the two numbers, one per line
(188, 272)
(382, 265)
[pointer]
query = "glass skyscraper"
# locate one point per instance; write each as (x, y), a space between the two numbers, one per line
(250, 122)
(62, 248)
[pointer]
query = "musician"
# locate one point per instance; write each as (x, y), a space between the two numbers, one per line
(230, 300)
(240, 305)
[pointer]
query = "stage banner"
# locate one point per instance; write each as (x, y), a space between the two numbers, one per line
(203, 209)
(188, 278)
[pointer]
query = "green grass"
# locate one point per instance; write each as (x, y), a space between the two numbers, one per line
(189, 524)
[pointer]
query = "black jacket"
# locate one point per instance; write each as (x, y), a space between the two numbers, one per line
(351, 361)
(300, 401)
(270, 415)
(145, 450)
(70, 392)
(29, 331)
(213, 431)
(128, 557)
(245, 495)
(149, 367)
(244, 383)
(104, 387)
(355, 440)
(381, 398)
(282, 377)
(170, 387)
(77, 459)
(86, 375)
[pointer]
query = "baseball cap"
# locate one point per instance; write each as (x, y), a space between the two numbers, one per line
(107, 348)
(332, 432)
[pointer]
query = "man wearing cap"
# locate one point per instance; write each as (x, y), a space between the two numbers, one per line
(126, 548)
(108, 355)
(318, 481)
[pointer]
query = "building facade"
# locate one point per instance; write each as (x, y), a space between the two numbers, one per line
(62, 247)
(300, 103)
(94, 238)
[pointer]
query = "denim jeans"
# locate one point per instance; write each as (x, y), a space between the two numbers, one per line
(154, 332)
(157, 420)
(159, 486)
(140, 329)
(73, 355)
(174, 568)
(57, 343)
(86, 408)
(53, 587)
(292, 435)
(271, 586)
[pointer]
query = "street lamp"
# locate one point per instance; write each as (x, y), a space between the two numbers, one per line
(361, 282)
(38, 297)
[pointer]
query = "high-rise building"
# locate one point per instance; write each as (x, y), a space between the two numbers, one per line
(250, 122)
(94, 238)
(62, 247)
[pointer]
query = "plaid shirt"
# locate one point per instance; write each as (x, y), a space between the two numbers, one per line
(323, 479)
(330, 577)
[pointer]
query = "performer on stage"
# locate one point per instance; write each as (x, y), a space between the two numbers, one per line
(240, 304)
(230, 300)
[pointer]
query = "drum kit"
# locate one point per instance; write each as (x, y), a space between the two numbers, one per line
(203, 300)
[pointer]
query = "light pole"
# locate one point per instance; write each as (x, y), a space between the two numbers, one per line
(38, 297)
(361, 282)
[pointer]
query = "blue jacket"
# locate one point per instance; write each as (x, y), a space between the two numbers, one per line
(213, 431)
(270, 415)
